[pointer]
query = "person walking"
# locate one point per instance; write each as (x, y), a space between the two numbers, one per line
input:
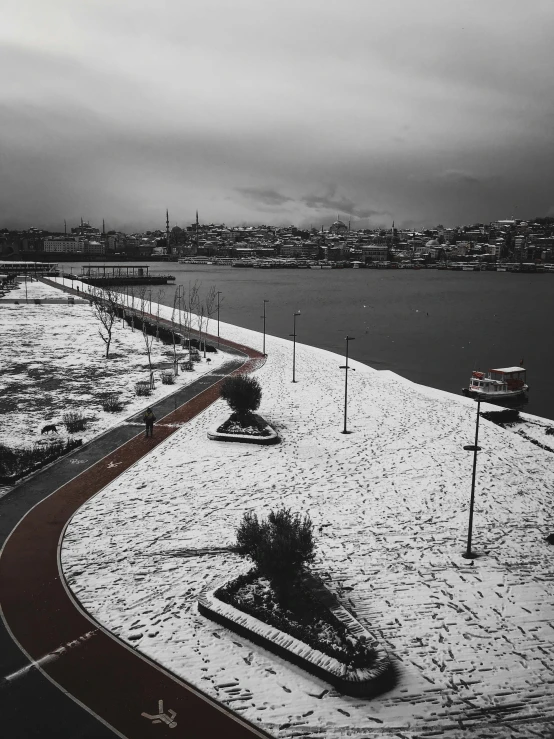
(149, 419)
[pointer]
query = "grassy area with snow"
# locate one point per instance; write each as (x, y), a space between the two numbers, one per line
(53, 362)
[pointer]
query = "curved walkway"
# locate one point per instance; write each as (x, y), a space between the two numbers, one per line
(131, 695)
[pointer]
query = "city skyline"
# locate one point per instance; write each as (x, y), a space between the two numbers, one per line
(418, 113)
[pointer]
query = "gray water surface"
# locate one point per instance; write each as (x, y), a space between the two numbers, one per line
(431, 326)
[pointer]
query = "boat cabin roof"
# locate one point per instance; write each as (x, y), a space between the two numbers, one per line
(508, 370)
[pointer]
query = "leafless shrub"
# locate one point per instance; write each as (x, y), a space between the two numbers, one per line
(112, 403)
(168, 378)
(143, 389)
(74, 421)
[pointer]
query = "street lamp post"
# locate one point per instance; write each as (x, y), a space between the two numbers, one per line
(218, 294)
(345, 367)
(468, 554)
(150, 291)
(294, 345)
(263, 351)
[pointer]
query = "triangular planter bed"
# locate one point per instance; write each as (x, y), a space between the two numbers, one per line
(362, 682)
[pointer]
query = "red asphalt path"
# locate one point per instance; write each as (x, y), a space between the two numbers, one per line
(105, 676)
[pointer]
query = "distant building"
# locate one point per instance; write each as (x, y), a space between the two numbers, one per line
(64, 244)
(299, 250)
(375, 252)
(338, 227)
(504, 224)
(85, 229)
(94, 247)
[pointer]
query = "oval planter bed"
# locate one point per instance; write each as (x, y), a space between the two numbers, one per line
(355, 681)
(259, 432)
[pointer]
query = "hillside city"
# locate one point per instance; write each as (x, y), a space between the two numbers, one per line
(509, 240)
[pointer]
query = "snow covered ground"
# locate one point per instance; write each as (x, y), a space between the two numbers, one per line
(53, 361)
(35, 290)
(472, 640)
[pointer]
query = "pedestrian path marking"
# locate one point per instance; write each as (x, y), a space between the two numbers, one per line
(161, 717)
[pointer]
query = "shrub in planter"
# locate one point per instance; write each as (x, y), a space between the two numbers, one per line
(112, 403)
(74, 421)
(308, 620)
(550, 431)
(168, 378)
(143, 389)
(280, 547)
(242, 393)
(236, 424)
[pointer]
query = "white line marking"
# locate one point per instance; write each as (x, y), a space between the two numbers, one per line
(51, 656)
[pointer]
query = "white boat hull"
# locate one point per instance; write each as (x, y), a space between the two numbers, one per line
(495, 396)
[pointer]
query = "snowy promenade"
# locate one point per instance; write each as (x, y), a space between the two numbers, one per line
(390, 503)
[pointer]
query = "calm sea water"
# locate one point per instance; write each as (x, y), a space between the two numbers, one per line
(433, 327)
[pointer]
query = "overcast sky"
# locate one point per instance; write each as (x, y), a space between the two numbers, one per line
(275, 111)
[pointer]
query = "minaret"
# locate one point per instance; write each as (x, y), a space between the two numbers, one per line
(64, 227)
(197, 232)
(103, 228)
(167, 229)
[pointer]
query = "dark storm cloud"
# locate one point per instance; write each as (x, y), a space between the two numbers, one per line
(265, 196)
(422, 112)
(334, 202)
(326, 206)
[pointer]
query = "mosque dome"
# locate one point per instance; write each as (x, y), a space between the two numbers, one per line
(432, 242)
(338, 227)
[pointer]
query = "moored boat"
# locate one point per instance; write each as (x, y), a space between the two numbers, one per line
(497, 384)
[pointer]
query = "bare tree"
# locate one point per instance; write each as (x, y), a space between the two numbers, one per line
(159, 297)
(105, 309)
(190, 301)
(210, 301)
(148, 341)
(148, 338)
(204, 309)
(131, 301)
(175, 363)
(142, 299)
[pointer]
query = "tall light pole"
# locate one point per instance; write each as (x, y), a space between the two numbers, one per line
(472, 448)
(294, 345)
(345, 367)
(263, 351)
(218, 294)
